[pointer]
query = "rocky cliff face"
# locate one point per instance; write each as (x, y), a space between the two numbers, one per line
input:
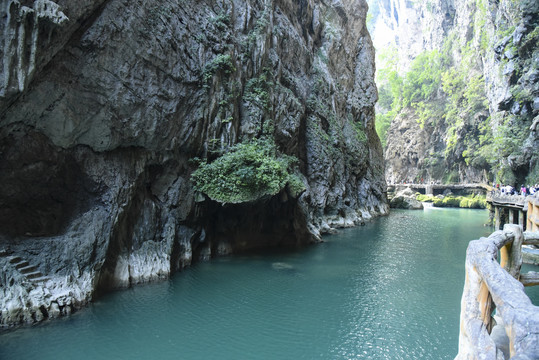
(411, 26)
(105, 104)
(478, 121)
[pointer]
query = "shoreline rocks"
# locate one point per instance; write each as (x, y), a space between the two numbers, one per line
(405, 199)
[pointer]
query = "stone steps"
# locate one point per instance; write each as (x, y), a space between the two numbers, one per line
(21, 264)
(28, 269)
(15, 259)
(34, 275)
(25, 268)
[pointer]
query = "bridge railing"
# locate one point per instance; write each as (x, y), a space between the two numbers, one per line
(490, 286)
(501, 198)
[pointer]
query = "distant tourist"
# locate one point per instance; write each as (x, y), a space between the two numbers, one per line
(508, 190)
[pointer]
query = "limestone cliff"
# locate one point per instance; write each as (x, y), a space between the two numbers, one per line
(470, 91)
(107, 105)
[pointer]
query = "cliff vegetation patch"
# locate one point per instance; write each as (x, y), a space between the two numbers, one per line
(469, 202)
(247, 172)
(470, 94)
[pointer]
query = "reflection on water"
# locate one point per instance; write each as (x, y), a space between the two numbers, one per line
(387, 290)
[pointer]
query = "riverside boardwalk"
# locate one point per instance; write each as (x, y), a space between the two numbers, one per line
(514, 209)
(513, 332)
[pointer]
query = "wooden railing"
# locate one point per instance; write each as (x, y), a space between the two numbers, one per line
(533, 214)
(491, 286)
(498, 198)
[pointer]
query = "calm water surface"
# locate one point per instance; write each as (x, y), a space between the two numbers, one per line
(388, 290)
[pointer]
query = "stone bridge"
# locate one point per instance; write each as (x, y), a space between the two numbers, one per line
(437, 189)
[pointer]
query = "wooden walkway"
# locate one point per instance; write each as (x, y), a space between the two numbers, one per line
(491, 286)
(499, 199)
(515, 209)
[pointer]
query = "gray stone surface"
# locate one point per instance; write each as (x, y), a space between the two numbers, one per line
(95, 146)
(405, 199)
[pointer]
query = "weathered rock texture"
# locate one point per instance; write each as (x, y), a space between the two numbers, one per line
(405, 199)
(103, 104)
(493, 42)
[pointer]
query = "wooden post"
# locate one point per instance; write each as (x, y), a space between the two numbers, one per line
(529, 225)
(511, 216)
(486, 306)
(514, 258)
(504, 255)
(533, 214)
(522, 219)
(497, 218)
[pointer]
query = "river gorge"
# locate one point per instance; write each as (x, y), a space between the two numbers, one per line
(388, 290)
(209, 179)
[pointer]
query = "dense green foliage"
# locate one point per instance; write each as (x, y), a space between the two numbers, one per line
(470, 202)
(248, 171)
(389, 92)
(478, 202)
(441, 93)
(445, 91)
(416, 90)
(222, 62)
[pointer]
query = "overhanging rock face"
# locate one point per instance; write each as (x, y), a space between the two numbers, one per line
(99, 137)
(22, 30)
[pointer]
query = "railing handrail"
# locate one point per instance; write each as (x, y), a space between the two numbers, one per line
(515, 200)
(487, 285)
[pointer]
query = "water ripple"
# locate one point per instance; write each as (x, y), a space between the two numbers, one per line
(368, 293)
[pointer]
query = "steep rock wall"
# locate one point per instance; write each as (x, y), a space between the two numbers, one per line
(97, 137)
(485, 126)
(411, 26)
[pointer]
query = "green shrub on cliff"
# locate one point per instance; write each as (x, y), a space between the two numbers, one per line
(222, 62)
(423, 79)
(247, 172)
(257, 90)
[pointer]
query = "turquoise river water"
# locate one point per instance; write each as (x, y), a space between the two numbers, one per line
(387, 290)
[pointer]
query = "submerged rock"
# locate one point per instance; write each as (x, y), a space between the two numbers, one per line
(282, 266)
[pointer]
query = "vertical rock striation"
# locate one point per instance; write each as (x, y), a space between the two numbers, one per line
(479, 123)
(99, 134)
